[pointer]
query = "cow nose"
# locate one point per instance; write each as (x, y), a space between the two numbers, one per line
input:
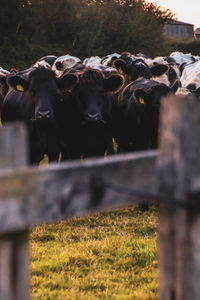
(93, 117)
(45, 114)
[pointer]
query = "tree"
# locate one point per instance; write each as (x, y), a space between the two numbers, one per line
(32, 28)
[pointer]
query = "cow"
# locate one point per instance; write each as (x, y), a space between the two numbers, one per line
(108, 60)
(171, 76)
(135, 115)
(181, 58)
(92, 61)
(45, 61)
(32, 100)
(133, 69)
(104, 65)
(63, 63)
(84, 115)
(190, 78)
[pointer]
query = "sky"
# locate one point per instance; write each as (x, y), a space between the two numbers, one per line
(186, 11)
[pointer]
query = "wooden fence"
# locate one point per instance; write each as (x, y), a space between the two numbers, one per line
(30, 196)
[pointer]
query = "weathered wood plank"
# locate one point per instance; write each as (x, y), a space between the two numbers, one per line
(178, 177)
(14, 254)
(13, 149)
(37, 195)
(14, 265)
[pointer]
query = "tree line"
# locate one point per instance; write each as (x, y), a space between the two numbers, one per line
(30, 29)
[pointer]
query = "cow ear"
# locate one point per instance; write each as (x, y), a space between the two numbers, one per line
(120, 65)
(67, 82)
(159, 69)
(18, 83)
(113, 83)
(140, 96)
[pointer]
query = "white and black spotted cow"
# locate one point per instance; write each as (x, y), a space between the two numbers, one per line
(62, 63)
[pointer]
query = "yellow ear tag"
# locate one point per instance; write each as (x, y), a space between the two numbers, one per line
(69, 91)
(20, 88)
(121, 71)
(141, 100)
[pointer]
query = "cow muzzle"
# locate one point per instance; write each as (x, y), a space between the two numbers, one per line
(93, 117)
(43, 115)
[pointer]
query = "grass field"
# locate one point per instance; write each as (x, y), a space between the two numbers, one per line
(111, 255)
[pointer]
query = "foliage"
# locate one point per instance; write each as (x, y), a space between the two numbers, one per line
(110, 255)
(185, 46)
(30, 29)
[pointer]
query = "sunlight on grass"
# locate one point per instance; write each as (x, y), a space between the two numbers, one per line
(110, 255)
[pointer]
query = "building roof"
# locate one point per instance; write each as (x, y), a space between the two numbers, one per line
(197, 31)
(176, 22)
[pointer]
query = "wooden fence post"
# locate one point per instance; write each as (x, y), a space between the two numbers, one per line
(14, 257)
(179, 178)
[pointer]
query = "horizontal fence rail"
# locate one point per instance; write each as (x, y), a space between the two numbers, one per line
(33, 196)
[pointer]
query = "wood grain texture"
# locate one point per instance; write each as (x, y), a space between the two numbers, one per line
(178, 176)
(38, 195)
(13, 146)
(14, 254)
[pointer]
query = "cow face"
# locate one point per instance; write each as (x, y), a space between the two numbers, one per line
(133, 69)
(92, 94)
(164, 73)
(138, 68)
(43, 90)
(152, 94)
(190, 78)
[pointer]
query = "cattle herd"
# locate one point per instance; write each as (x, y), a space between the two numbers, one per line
(79, 108)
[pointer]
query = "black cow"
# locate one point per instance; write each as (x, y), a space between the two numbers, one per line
(84, 116)
(133, 69)
(136, 114)
(33, 100)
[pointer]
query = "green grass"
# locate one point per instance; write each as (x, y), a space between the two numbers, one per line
(111, 255)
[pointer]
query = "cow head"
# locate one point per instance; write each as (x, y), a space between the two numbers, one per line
(138, 68)
(63, 63)
(43, 90)
(164, 73)
(133, 69)
(92, 93)
(150, 93)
